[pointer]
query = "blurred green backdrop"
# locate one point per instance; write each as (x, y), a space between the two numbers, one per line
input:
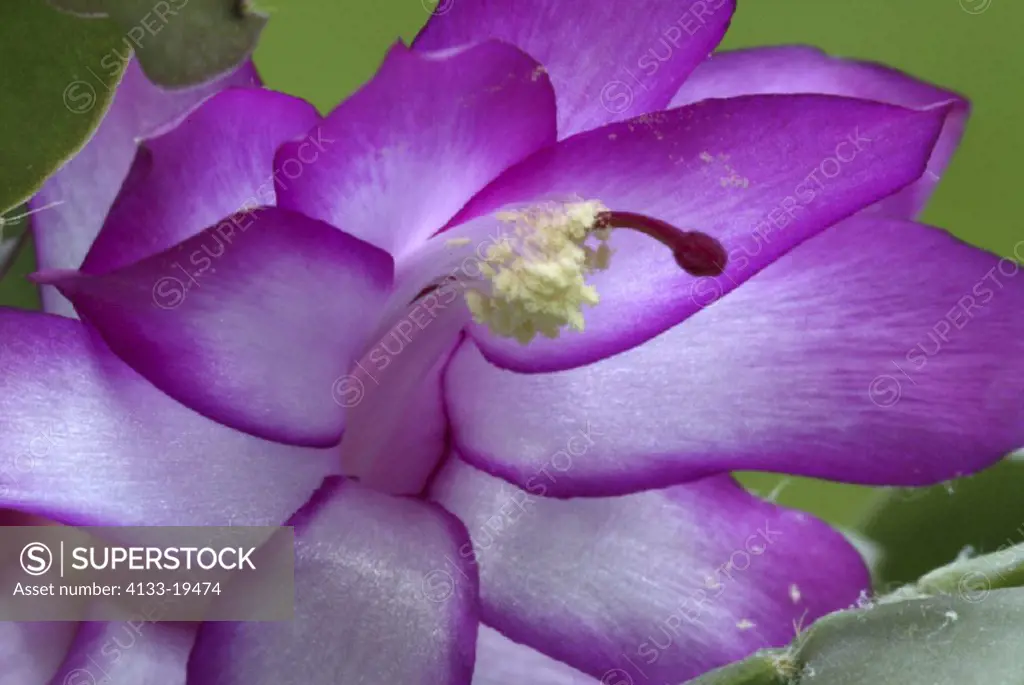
(323, 49)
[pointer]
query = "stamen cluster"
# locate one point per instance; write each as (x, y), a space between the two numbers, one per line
(537, 272)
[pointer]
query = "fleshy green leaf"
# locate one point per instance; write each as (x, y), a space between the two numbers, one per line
(179, 42)
(941, 640)
(760, 669)
(922, 528)
(974, 578)
(55, 88)
(959, 624)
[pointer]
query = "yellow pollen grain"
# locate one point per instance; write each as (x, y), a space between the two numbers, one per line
(734, 179)
(457, 242)
(536, 274)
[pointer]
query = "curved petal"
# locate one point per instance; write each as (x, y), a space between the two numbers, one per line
(650, 588)
(760, 173)
(607, 62)
(378, 599)
(802, 69)
(249, 329)
(86, 441)
(881, 352)
(128, 653)
(405, 153)
(30, 653)
(500, 661)
(397, 430)
(86, 186)
(217, 162)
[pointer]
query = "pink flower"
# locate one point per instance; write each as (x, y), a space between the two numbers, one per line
(570, 494)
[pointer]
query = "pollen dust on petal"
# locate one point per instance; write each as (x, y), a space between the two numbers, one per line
(730, 178)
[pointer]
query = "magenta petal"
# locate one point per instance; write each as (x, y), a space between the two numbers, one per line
(248, 322)
(656, 587)
(759, 173)
(217, 162)
(400, 157)
(397, 430)
(128, 653)
(86, 441)
(607, 62)
(880, 352)
(500, 661)
(801, 69)
(87, 185)
(30, 653)
(379, 598)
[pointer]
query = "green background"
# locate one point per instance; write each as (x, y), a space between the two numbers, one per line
(323, 49)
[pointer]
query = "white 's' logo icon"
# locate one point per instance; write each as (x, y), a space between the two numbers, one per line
(36, 558)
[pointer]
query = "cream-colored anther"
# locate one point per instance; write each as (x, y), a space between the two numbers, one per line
(537, 273)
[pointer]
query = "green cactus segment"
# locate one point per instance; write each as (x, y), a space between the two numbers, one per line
(973, 578)
(55, 91)
(944, 640)
(959, 624)
(922, 528)
(179, 43)
(764, 668)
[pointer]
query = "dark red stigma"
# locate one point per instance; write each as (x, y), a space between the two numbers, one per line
(701, 255)
(696, 253)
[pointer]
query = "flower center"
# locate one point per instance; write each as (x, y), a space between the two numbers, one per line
(534, 277)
